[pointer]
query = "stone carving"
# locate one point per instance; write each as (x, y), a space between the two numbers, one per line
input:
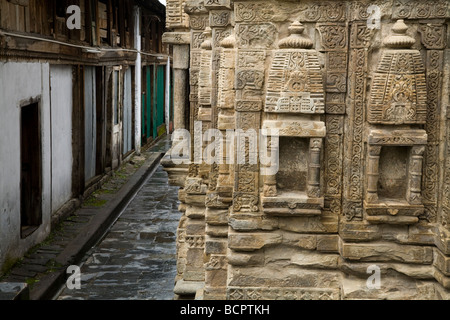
(219, 18)
(433, 36)
(373, 206)
(432, 126)
(281, 293)
(197, 39)
(295, 82)
(217, 4)
(251, 59)
(333, 36)
(325, 11)
(398, 94)
(251, 36)
(198, 22)
(249, 79)
(248, 105)
(416, 9)
(445, 219)
(353, 210)
(195, 241)
(253, 11)
(333, 147)
(175, 15)
(245, 202)
(204, 78)
(360, 35)
(335, 103)
(219, 34)
(358, 81)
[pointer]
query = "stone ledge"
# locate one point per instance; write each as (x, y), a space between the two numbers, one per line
(176, 38)
(187, 288)
(385, 252)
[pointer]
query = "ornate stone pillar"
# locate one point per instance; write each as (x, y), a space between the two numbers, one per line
(414, 189)
(372, 173)
(313, 188)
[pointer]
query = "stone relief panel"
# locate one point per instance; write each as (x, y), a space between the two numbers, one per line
(294, 83)
(256, 36)
(219, 18)
(175, 15)
(416, 9)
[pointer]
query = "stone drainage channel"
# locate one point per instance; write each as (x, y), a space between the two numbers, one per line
(136, 257)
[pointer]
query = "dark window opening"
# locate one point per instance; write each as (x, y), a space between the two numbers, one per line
(30, 170)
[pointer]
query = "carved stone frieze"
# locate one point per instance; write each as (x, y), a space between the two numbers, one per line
(416, 9)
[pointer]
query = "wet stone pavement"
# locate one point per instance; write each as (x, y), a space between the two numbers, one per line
(137, 257)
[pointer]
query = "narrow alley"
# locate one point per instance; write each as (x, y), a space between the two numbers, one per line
(136, 258)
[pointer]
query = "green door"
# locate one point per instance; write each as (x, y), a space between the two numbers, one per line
(160, 100)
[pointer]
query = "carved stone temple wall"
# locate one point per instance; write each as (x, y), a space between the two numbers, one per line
(360, 99)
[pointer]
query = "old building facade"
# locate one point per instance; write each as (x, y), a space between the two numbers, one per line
(358, 92)
(83, 85)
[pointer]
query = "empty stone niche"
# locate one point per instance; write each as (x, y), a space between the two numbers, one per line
(392, 181)
(293, 165)
(394, 173)
(295, 189)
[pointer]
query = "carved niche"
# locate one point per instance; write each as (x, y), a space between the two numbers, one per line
(294, 91)
(395, 152)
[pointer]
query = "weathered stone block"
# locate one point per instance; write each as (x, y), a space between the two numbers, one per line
(195, 227)
(216, 217)
(215, 246)
(244, 259)
(252, 241)
(386, 252)
(248, 223)
(303, 225)
(216, 231)
(328, 243)
(358, 231)
(308, 242)
(195, 212)
(441, 262)
(216, 278)
(315, 260)
(391, 289)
